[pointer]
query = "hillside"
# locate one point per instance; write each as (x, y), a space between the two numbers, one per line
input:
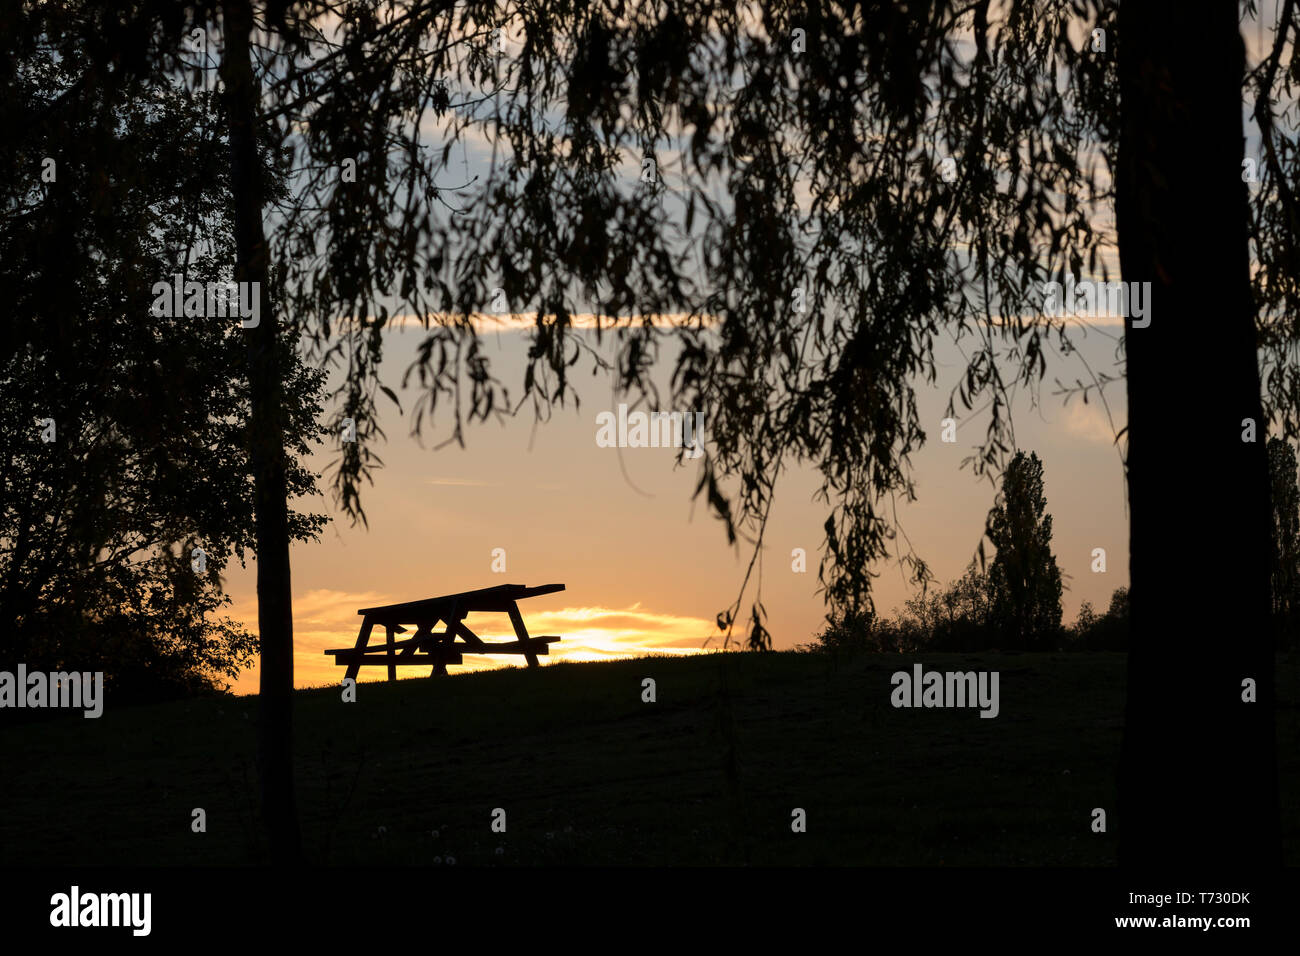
(588, 773)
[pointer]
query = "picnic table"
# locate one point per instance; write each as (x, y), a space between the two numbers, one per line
(440, 649)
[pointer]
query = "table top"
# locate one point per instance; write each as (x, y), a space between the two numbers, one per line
(499, 598)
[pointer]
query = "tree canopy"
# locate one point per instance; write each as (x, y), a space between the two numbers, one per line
(805, 198)
(125, 479)
(1024, 581)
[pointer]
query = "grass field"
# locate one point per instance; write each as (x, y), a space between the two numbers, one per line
(588, 773)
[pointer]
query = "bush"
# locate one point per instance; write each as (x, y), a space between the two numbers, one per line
(867, 632)
(959, 619)
(1107, 632)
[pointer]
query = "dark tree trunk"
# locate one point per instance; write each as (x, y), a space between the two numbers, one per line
(1198, 782)
(266, 443)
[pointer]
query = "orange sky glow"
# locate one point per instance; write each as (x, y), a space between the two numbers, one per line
(647, 569)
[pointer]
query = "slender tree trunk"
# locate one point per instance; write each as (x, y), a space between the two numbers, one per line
(1198, 782)
(266, 441)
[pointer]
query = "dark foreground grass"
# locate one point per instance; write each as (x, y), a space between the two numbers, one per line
(588, 773)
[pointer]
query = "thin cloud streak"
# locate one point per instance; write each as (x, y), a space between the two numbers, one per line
(463, 483)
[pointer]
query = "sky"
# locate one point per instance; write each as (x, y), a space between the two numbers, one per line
(645, 568)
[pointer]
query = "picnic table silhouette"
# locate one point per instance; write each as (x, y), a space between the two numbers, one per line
(441, 649)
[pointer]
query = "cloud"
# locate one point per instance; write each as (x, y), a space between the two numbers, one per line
(324, 608)
(1088, 423)
(463, 483)
(486, 322)
(1110, 320)
(326, 618)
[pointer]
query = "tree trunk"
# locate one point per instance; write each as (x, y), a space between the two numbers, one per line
(1198, 780)
(266, 446)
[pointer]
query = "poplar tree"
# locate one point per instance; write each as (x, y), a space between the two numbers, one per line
(1024, 581)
